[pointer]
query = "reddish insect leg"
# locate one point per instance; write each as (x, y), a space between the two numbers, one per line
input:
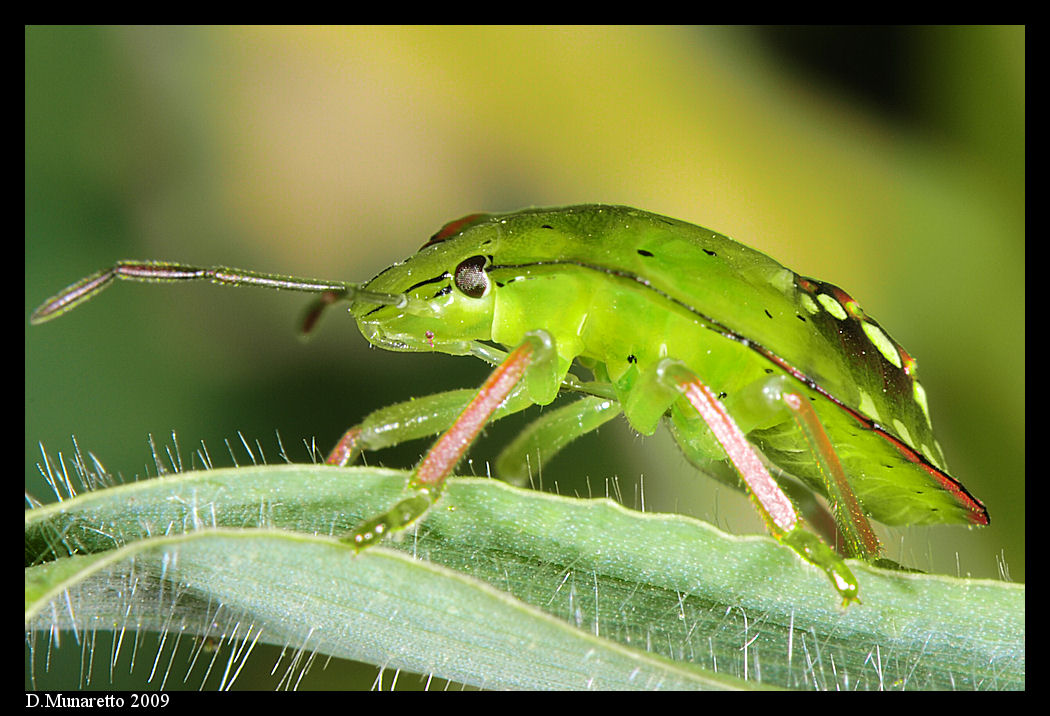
(421, 417)
(450, 447)
(534, 352)
(853, 524)
(315, 309)
(777, 509)
(774, 506)
(347, 449)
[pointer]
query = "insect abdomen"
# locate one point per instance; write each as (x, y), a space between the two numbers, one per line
(626, 288)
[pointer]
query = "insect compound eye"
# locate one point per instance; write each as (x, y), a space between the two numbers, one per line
(470, 277)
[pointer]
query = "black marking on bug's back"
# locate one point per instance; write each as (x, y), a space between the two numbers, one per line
(424, 282)
(709, 252)
(643, 252)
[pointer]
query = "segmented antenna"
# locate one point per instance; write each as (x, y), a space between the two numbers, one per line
(163, 272)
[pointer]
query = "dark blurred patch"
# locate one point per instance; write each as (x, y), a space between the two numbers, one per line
(874, 65)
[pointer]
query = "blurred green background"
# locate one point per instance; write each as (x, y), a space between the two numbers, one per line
(889, 161)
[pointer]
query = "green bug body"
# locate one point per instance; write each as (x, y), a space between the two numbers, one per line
(619, 289)
(676, 323)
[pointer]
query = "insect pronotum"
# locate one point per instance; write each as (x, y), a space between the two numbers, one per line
(750, 365)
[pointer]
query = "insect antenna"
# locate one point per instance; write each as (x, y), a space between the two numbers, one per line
(163, 272)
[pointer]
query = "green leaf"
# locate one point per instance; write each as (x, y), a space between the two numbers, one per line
(501, 587)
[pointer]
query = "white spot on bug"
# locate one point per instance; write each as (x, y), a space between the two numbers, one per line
(933, 457)
(920, 397)
(832, 306)
(809, 304)
(902, 432)
(941, 462)
(867, 406)
(881, 341)
(783, 280)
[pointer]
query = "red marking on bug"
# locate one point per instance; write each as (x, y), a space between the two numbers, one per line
(976, 511)
(452, 228)
(848, 302)
(908, 364)
(975, 508)
(430, 338)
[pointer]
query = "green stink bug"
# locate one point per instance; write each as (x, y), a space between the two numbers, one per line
(752, 367)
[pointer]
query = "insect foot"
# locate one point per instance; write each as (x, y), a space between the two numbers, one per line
(812, 549)
(400, 516)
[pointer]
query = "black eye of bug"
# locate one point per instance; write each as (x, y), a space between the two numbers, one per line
(470, 277)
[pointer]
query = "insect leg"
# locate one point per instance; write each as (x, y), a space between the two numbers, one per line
(413, 419)
(772, 503)
(533, 360)
(775, 396)
(547, 435)
(701, 449)
(313, 312)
